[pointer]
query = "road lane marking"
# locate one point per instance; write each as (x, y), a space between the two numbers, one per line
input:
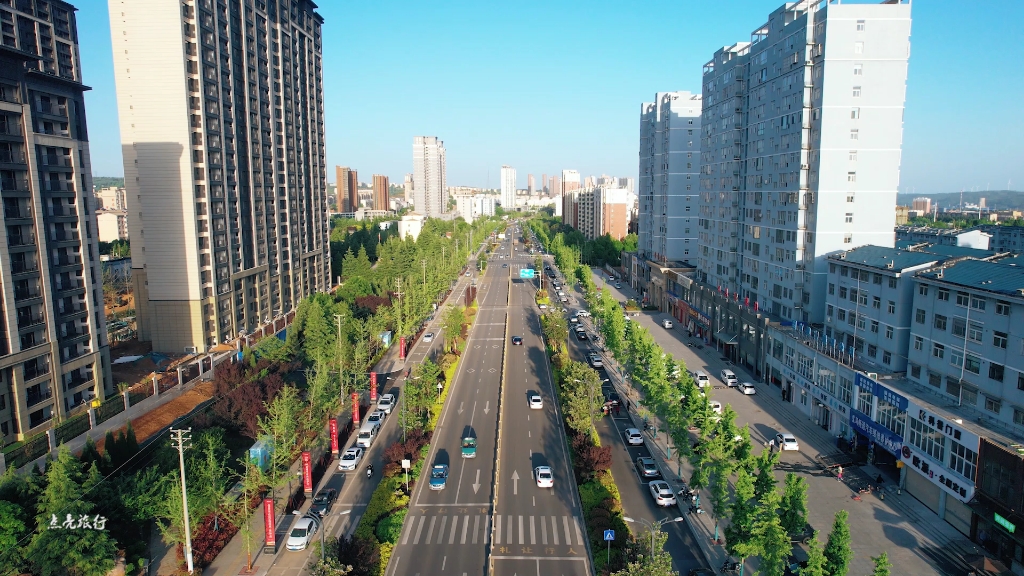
(455, 530)
(405, 537)
(440, 533)
(497, 527)
(533, 532)
(521, 533)
(476, 528)
(543, 531)
(465, 528)
(419, 530)
(443, 562)
(508, 533)
(579, 533)
(430, 531)
(565, 524)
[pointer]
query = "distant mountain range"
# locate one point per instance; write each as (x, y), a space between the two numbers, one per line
(994, 199)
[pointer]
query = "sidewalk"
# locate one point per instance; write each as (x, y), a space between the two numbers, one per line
(915, 539)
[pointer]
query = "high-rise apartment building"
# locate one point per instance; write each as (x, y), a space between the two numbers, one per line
(597, 211)
(380, 192)
(352, 189)
(111, 198)
(801, 137)
(669, 177)
(529, 184)
(555, 189)
(341, 189)
(53, 344)
(570, 181)
(922, 204)
(430, 187)
(222, 130)
(544, 182)
(508, 188)
(408, 187)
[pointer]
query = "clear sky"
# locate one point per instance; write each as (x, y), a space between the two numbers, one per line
(552, 84)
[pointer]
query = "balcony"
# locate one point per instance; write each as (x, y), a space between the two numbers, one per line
(24, 267)
(16, 212)
(64, 236)
(48, 160)
(52, 109)
(58, 186)
(73, 284)
(14, 185)
(19, 240)
(34, 399)
(73, 260)
(29, 320)
(26, 293)
(12, 157)
(78, 381)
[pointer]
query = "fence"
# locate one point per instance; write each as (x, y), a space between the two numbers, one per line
(166, 381)
(28, 451)
(71, 428)
(139, 393)
(112, 407)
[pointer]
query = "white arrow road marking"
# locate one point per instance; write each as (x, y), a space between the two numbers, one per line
(476, 486)
(515, 482)
(460, 407)
(487, 406)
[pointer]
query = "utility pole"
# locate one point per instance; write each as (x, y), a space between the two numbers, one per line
(179, 438)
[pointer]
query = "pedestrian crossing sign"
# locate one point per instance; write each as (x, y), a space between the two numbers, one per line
(609, 535)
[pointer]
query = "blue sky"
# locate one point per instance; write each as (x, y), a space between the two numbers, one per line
(547, 85)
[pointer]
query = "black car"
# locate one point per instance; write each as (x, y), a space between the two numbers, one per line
(517, 340)
(323, 502)
(581, 335)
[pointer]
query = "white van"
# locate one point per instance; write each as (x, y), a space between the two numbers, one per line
(701, 379)
(729, 377)
(367, 433)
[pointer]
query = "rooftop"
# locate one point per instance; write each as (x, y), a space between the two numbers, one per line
(884, 258)
(954, 251)
(998, 277)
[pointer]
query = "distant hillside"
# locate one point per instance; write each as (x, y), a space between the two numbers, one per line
(107, 182)
(994, 199)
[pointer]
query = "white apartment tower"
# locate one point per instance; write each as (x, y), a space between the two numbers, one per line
(508, 188)
(222, 131)
(54, 354)
(802, 134)
(430, 188)
(669, 176)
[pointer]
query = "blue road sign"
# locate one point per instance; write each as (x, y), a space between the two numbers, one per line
(609, 535)
(526, 272)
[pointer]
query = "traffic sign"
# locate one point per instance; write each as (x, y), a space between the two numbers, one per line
(526, 273)
(609, 535)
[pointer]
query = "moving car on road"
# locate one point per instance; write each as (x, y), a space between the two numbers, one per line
(535, 401)
(438, 476)
(662, 493)
(517, 340)
(748, 389)
(323, 502)
(646, 468)
(581, 334)
(786, 441)
(595, 360)
(377, 416)
(544, 477)
(583, 314)
(386, 403)
(303, 532)
(634, 437)
(469, 447)
(428, 337)
(350, 459)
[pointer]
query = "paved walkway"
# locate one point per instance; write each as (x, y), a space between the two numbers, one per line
(916, 540)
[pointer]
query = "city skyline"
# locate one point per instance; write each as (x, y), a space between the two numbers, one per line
(538, 131)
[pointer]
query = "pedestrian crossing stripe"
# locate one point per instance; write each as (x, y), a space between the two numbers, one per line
(476, 529)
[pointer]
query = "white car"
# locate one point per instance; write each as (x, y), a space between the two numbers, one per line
(377, 416)
(667, 324)
(748, 389)
(542, 306)
(583, 313)
(350, 459)
(535, 401)
(303, 532)
(428, 337)
(595, 361)
(786, 441)
(386, 403)
(662, 493)
(634, 437)
(544, 477)
(716, 406)
(729, 377)
(574, 320)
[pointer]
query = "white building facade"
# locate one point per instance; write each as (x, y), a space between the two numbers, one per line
(430, 188)
(508, 188)
(669, 176)
(802, 136)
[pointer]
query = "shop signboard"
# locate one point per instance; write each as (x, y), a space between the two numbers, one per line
(877, 433)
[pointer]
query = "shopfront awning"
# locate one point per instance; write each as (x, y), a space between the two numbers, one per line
(726, 338)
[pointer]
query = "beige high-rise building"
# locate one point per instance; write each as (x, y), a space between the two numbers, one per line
(111, 198)
(222, 133)
(54, 355)
(430, 188)
(408, 188)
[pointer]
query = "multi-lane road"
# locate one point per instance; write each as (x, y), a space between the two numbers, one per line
(491, 517)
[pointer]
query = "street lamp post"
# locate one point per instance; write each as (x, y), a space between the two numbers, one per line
(652, 525)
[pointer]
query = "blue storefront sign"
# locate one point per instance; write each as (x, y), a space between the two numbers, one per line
(862, 381)
(877, 433)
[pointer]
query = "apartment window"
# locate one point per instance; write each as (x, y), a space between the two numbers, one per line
(962, 298)
(999, 339)
(849, 217)
(841, 315)
(939, 351)
(854, 134)
(861, 322)
(978, 304)
(996, 371)
(888, 332)
(972, 364)
(993, 404)
(892, 282)
(922, 290)
(862, 298)
(853, 155)
(860, 25)
(918, 343)
(891, 417)
(851, 176)
(845, 390)
(975, 332)
(959, 327)
(874, 326)
(934, 379)
(915, 371)
(848, 239)
(829, 310)
(855, 112)
(928, 439)
(876, 303)
(843, 292)
(872, 350)
(831, 288)
(1020, 381)
(964, 461)
(956, 357)
(918, 316)
(864, 398)
(943, 295)
(858, 47)
(856, 91)
(858, 69)
(939, 322)
(1003, 308)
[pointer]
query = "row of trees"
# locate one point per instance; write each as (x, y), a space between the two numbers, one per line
(598, 252)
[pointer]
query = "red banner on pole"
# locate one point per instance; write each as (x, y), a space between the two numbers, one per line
(373, 386)
(307, 472)
(334, 435)
(268, 522)
(401, 348)
(355, 408)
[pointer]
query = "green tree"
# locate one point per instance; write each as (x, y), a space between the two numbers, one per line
(793, 511)
(281, 426)
(838, 553)
(765, 480)
(743, 513)
(61, 551)
(322, 391)
(882, 565)
(451, 325)
(581, 396)
(770, 536)
(816, 562)
(12, 530)
(660, 564)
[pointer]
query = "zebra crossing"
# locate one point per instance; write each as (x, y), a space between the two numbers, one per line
(443, 529)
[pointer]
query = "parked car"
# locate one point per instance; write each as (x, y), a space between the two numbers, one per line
(647, 468)
(438, 476)
(544, 477)
(350, 459)
(469, 447)
(386, 403)
(701, 379)
(786, 441)
(323, 502)
(748, 389)
(302, 533)
(729, 378)
(634, 437)
(377, 416)
(662, 493)
(667, 324)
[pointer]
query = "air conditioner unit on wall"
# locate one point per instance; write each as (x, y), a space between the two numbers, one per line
(191, 350)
